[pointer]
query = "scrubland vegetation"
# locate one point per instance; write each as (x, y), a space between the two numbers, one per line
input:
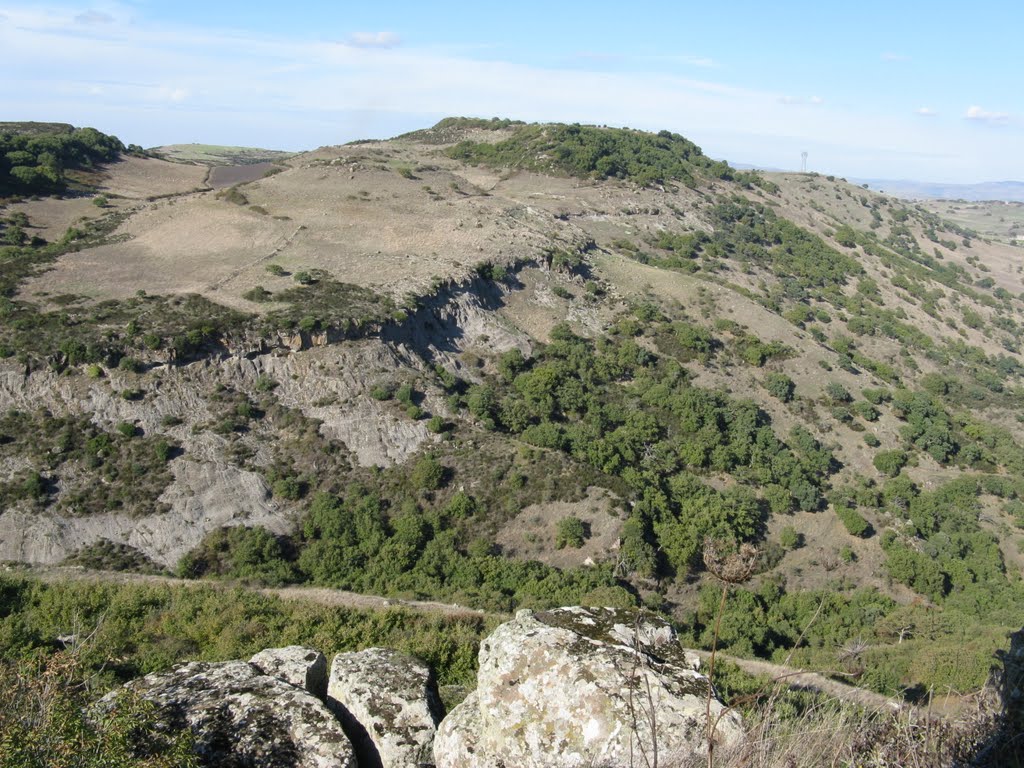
(895, 431)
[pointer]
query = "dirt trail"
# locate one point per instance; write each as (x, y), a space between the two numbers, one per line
(788, 676)
(801, 679)
(319, 595)
(219, 284)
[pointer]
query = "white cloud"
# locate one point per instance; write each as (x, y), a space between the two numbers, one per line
(890, 56)
(598, 56)
(795, 101)
(200, 84)
(975, 112)
(94, 17)
(373, 40)
(925, 112)
(700, 61)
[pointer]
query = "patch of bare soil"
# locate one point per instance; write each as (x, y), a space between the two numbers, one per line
(176, 246)
(50, 217)
(139, 178)
(530, 535)
(363, 222)
(228, 175)
(125, 183)
(820, 563)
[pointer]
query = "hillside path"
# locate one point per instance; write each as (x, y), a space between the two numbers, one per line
(319, 595)
(789, 676)
(801, 679)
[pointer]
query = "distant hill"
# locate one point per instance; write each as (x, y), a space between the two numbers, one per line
(32, 128)
(213, 154)
(917, 190)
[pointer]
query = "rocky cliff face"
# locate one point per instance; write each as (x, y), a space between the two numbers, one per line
(328, 378)
(568, 687)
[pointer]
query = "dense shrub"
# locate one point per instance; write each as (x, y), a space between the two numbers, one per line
(571, 532)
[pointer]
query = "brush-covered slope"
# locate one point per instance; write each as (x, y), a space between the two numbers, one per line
(511, 364)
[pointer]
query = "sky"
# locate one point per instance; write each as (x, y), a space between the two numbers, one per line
(893, 90)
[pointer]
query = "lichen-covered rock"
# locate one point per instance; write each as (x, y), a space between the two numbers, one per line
(240, 717)
(582, 687)
(303, 667)
(388, 704)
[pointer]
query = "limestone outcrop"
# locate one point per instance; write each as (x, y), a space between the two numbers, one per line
(389, 706)
(239, 716)
(583, 687)
(304, 668)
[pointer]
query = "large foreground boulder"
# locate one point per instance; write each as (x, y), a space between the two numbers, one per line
(241, 717)
(583, 687)
(389, 706)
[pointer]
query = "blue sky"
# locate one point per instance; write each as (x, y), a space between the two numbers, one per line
(929, 91)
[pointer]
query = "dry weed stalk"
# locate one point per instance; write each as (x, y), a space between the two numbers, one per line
(647, 709)
(732, 565)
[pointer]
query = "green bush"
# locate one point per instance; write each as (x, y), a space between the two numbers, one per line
(837, 393)
(866, 411)
(853, 521)
(265, 383)
(381, 392)
(890, 463)
(428, 474)
(780, 386)
(258, 294)
(405, 394)
(789, 538)
(570, 533)
(289, 488)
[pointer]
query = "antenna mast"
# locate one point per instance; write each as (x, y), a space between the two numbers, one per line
(803, 162)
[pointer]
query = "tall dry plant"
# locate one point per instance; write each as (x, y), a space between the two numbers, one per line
(732, 565)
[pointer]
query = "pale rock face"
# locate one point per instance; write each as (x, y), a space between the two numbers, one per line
(582, 687)
(302, 667)
(388, 704)
(241, 717)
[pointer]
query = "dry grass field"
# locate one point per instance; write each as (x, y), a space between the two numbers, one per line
(1000, 221)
